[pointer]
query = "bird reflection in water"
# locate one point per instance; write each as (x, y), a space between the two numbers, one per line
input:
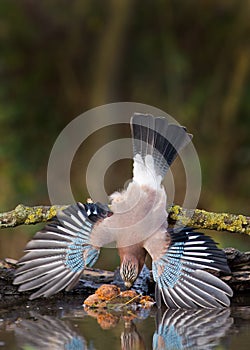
(48, 332)
(131, 338)
(200, 329)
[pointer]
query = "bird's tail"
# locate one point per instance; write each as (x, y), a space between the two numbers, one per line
(156, 143)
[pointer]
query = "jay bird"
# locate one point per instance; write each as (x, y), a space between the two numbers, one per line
(136, 220)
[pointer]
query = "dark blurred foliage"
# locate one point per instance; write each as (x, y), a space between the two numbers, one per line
(58, 58)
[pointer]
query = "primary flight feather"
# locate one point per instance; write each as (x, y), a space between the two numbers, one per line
(136, 220)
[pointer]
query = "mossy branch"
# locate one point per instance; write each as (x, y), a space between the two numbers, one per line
(24, 215)
(203, 219)
(194, 218)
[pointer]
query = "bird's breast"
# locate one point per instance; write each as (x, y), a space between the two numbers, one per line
(138, 212)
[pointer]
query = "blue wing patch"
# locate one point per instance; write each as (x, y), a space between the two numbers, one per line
(58, 254)
(191, 329)
(180, 276)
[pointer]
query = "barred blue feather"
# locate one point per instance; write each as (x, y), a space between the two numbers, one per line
(180, 276)
(137, 222)
(58, 254)
(191, 329)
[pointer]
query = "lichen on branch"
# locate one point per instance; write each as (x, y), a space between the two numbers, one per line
(203, 219)
(25, 215)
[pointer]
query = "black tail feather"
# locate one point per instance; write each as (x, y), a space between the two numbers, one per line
(156, 137)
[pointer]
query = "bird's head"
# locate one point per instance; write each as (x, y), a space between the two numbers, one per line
(129, 271)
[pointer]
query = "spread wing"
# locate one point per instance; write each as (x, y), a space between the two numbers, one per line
(191, 329)
(180, 276)
(57, 255)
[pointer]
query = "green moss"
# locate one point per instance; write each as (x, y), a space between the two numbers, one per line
(52, 212)
(209, 220)
(34, 216)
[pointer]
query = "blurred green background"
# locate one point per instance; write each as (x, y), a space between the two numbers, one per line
(59, 58)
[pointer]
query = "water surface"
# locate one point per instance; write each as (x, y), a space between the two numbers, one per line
(50, 324)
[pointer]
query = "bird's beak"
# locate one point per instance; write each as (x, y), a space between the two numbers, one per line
(128, 284)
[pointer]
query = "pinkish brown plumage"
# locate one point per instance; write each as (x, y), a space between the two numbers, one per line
(137, 222)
